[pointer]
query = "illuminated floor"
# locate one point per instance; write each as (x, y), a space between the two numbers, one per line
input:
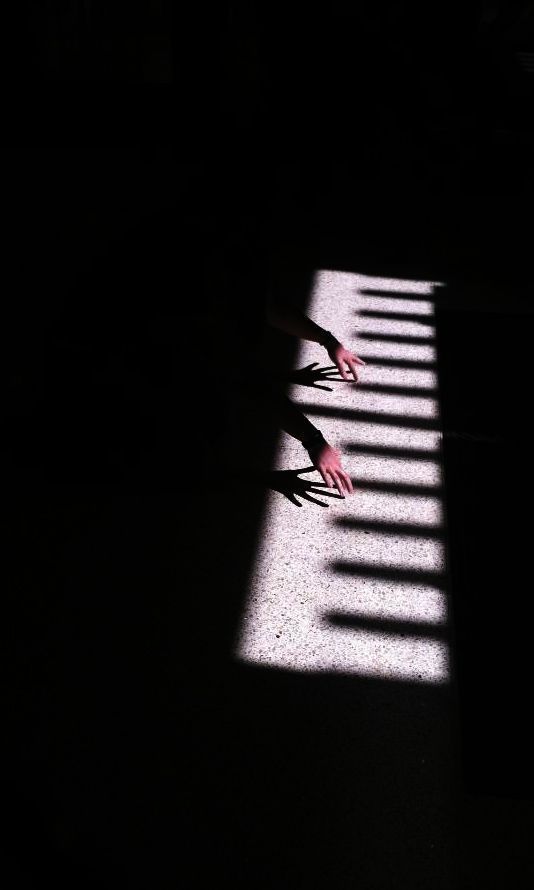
(359, 588)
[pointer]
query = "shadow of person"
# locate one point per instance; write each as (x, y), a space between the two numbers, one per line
(289, 483)
(313, 376)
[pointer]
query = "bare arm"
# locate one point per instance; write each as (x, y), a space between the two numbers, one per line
(293, 321)
(324, 458)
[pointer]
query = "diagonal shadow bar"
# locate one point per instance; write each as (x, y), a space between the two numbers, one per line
(428, 320)
(394, 452)
(422, 392)
(423, 340)
(389, 573)
(400, 420)
(406, 488)
(395, 529)
(389, 627)
(381, 362)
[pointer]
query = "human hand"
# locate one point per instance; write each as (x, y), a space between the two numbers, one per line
(289, 483)
(344, 360)
(328, 461)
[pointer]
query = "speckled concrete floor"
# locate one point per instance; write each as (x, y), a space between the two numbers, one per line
(359, 588)
(172, 724)
(356, 588)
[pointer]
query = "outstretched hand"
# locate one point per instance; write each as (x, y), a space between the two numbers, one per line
(345, 361)
(328, 461)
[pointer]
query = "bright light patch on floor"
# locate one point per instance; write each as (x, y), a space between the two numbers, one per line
(359, 588)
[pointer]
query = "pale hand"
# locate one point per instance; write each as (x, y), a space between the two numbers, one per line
(345, 361)
(327, 460)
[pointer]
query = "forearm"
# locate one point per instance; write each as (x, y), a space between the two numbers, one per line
(293, 321)
(294, 422)
(284, 412)
(323, 457)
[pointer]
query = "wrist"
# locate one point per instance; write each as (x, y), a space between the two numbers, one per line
(327, 339)
(313, 441)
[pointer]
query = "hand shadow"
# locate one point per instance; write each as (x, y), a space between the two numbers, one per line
(288, 483)
(311, 375)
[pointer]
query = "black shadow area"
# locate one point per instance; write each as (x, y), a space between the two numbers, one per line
(489, 481)
(138, 751)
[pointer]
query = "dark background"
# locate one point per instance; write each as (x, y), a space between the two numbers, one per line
(160, 160)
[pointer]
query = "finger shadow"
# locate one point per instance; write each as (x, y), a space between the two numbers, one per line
(313, 376)
(289, 484)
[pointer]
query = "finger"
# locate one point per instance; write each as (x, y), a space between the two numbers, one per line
(359, 361)
(329, 368)
(338, 480)
(333, 493)
(342, 372)
(321, 491)
(348, 483)
(340, 484)
(308, 497)
(352, 367)
(327, 479)
(341, 478)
